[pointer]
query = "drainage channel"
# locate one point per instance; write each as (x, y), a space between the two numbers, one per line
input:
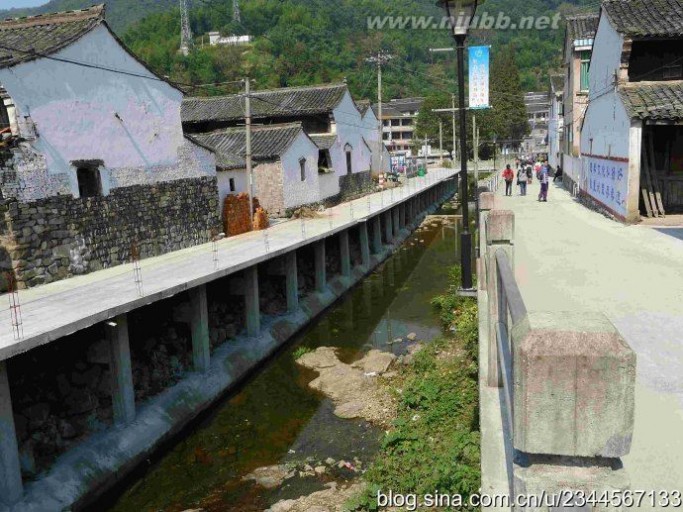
(274, 418)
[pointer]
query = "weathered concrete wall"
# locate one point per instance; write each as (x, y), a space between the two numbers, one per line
(296, 191)
(58, 237)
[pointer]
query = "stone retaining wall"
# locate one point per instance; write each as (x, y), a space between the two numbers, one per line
(62, 236)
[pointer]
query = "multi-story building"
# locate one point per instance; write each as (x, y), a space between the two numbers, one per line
(399, 118)
(538, 112)
(578, 47)
(556, 121)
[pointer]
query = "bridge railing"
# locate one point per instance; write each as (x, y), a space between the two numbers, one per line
(566, 381)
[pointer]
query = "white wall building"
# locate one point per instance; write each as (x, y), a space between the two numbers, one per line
(286, 167)
(635, 109)
(215, 39)
(327, 114)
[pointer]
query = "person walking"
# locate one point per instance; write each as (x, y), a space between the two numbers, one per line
(545, 183)
(509, 177)
(522, 179)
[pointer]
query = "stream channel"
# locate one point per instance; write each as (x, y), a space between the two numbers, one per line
(275, 418)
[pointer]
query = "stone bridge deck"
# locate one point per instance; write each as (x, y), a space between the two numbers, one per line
(569, 258)
(52, 311)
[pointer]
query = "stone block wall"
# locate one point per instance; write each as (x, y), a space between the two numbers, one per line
(269, 185)
(62, 236)
(355, 185)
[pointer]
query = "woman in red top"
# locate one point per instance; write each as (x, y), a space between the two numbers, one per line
(509, 177)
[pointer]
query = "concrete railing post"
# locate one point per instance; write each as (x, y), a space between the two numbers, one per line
(376, 235)
(345, 253)
(123, 392)
(201, 347)
(485, 206)
(252, 302)
(292, 281)
(364, 244)
(320, 267)
(574, 401)
(500, 228)
(11, 488)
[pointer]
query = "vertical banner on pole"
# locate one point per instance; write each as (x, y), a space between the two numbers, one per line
(479, 66)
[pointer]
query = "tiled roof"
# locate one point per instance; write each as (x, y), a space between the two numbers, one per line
(268, 143)
(399, 107)
(324, 141)
(653, 100)
(26, 39)
(287, 102)
(646, 18)
(582, 26)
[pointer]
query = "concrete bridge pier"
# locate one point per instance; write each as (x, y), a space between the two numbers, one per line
(402, 216)
(376, 235)
(201, 347)
(364, 244)
(345, 253)
(320, 268)
(396, 222)
(388, 230)
(123, 393)
(251, 302)
(11, 488)
(291, 282)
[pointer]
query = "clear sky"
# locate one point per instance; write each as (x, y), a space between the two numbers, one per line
(8, 4)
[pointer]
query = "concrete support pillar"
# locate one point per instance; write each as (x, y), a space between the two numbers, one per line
(376, 235)
(345, 253)
(388, 230)
(201, 347)
(123, 393)
(292, 281)
(320, 267)
(364, 244)
(11, 488)
(251, 301)
(402, 216)
(396, 221)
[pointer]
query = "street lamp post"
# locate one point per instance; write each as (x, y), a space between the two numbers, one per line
(460, 12)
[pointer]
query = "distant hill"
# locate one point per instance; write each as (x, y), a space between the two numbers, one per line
(120, 13)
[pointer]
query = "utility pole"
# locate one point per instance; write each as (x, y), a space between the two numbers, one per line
(475, 140)
(381, 58)
(426, 151)
(455, 145)
(441, 142)
(250, 172)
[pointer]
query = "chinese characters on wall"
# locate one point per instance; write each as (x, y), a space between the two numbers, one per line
(607, 181)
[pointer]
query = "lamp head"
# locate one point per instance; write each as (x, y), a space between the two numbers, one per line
(460, 13)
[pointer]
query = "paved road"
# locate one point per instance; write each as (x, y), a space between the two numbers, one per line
(57, 309)
(570, 258)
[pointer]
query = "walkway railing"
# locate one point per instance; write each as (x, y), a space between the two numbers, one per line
(567, 382)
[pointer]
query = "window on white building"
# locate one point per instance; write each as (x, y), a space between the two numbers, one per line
(585, 68)
(89, 181)
(232, 185)
(302, 167)
(349, 159)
